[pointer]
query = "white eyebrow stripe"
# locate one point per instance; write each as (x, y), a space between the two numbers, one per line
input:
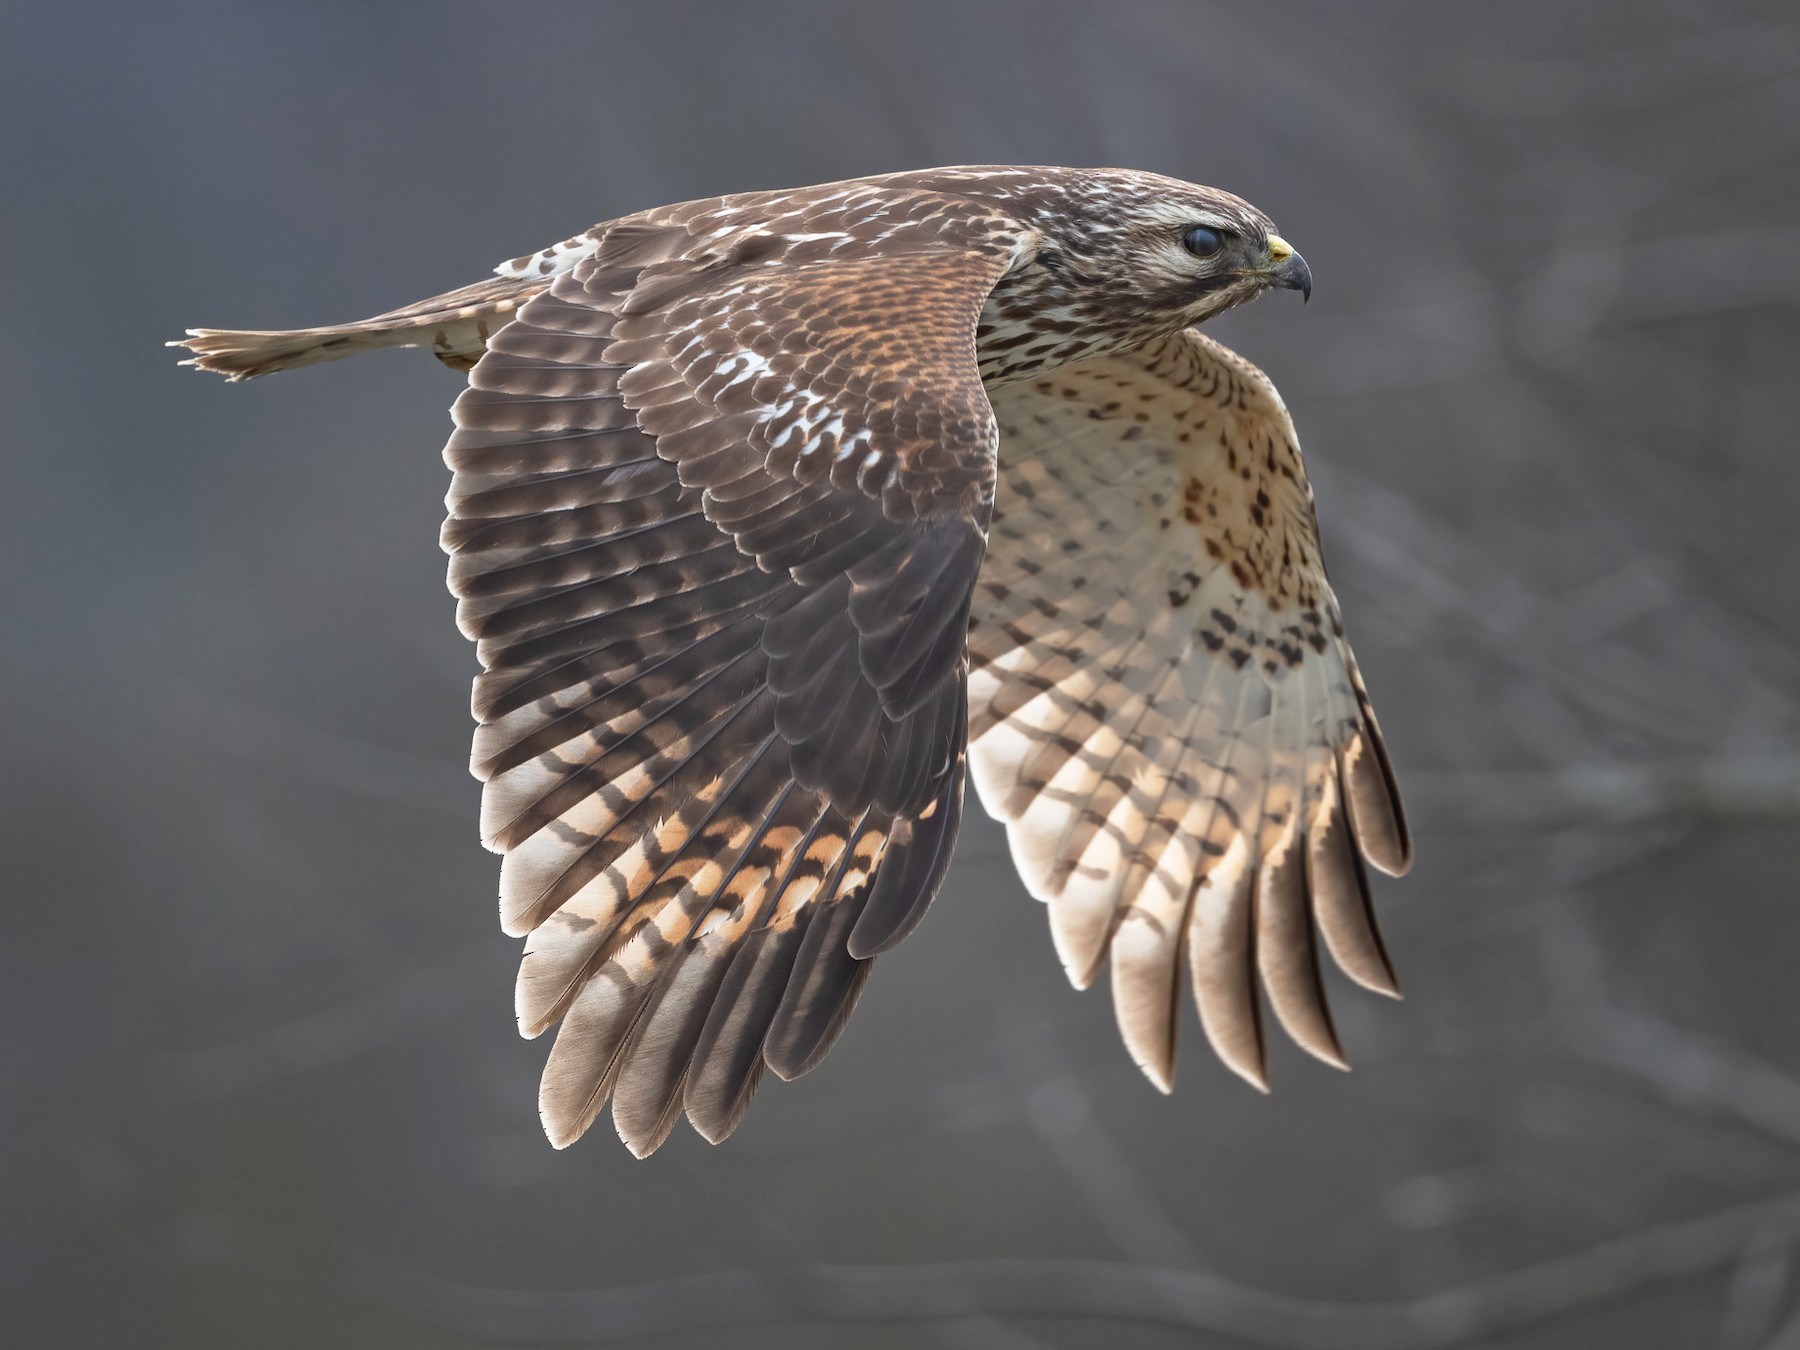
(1179, 215)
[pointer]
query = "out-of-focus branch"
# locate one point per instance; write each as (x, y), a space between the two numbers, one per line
(959, 1290)
(1754, 1296)
(1788, 1338)
(1614, 281)
(1435, 574)
(1106, 1182)
(1688, 1069)
(1616, 794)
(1692, 1070)
(404, 999)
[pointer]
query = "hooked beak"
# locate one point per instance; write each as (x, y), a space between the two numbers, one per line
(1290, 271)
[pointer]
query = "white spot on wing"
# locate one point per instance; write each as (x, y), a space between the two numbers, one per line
(552, 261)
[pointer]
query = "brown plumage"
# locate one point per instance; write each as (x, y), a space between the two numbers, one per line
(775, 516)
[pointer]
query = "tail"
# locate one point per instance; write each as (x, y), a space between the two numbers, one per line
(455, 326)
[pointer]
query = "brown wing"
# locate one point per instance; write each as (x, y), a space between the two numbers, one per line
(1163, 708)
(719, 504)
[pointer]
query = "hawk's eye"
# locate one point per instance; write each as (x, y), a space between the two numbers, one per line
(1203, 241)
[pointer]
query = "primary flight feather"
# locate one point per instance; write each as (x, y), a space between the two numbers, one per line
(775, 517)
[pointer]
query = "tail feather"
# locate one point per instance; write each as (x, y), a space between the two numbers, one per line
(455, 326)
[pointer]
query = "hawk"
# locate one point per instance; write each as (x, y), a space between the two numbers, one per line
(777, 516)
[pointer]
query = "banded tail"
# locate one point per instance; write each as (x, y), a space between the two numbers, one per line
(455, 326)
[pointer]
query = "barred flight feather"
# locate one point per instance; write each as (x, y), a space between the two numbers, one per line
(725, 695)
(1164, 711)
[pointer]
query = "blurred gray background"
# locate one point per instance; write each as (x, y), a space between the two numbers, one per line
(259, 1082)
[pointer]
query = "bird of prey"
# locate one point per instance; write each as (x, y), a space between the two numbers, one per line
(777, 515)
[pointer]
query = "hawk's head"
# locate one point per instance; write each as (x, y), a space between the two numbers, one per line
(1158, 249)
(1123, 257)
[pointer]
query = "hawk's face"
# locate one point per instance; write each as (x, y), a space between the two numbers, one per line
(1127, 257)
(1166, 252)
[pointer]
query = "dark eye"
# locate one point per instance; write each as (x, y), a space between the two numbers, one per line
(1202, 241)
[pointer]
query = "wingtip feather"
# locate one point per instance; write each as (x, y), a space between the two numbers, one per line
(1253, 1074)
(1161, 1076)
